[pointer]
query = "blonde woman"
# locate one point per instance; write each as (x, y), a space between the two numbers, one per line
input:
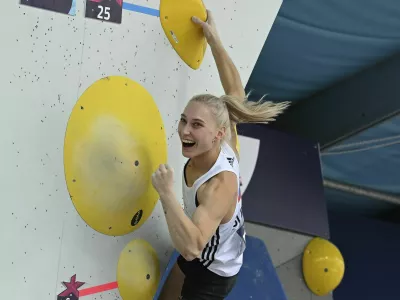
(209, 233)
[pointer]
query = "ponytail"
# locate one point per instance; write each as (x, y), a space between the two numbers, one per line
(245, 111)
(227, 109)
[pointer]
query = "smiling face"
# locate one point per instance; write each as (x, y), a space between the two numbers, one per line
(197, 129)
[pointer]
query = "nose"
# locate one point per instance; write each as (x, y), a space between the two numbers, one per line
(185, 129)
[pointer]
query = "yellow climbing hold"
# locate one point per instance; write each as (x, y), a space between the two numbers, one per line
(323, 266)
(138, 272)
(186, 38)
(115, 139)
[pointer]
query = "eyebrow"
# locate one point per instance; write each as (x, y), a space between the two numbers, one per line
(194, 119)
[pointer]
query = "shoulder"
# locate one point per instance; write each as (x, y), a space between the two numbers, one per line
(223, 185)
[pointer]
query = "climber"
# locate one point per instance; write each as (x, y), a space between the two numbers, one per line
(209, 232)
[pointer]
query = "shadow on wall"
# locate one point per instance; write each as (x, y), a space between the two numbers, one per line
(371, 251)
(342, 202)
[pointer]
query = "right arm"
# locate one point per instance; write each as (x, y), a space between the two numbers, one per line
(228, 73)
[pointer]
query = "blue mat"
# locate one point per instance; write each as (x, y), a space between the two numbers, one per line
(257, 278)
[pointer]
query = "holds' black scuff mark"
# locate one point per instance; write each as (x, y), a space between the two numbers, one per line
(137, 217)
(82, 108)
(136, 163)
(148, 276)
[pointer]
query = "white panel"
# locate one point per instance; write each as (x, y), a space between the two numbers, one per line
(282, 245)
(40, 64)
(47, 61)
(249, 148)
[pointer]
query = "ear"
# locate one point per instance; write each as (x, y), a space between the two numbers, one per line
(221, 133)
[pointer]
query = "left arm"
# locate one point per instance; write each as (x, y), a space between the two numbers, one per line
(191, 236)
(184, 233)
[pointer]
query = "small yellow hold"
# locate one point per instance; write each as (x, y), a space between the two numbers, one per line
(138, 272)
(323, 266)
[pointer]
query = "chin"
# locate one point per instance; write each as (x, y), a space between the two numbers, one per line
(188, 154)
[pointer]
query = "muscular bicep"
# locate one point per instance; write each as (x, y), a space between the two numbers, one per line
(214, 203)
(207, 221)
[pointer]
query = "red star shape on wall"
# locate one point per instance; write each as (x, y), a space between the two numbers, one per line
(72, 287)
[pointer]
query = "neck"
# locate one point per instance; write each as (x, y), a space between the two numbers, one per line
(205, 161)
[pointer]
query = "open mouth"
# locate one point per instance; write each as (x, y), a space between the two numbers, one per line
(188, 143)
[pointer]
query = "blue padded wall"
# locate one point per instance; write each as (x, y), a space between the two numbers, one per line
(315, 44)
(371, 250)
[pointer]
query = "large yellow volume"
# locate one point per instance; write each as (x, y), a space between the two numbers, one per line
(115, 140)
(186, 38)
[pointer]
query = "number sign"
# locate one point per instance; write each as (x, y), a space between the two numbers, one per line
(104, 10)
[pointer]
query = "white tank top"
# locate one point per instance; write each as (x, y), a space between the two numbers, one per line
(223, 253)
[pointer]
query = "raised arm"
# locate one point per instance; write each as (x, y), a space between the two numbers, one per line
(228, 73)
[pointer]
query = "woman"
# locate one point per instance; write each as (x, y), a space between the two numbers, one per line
(209, 233)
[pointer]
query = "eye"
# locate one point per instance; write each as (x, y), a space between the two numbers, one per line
(183, 120)
(196, 124)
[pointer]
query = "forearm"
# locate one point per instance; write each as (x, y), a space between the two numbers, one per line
(227, 70)
(184, 233)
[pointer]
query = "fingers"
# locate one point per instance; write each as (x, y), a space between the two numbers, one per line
(170, 169)
(210, 16)
(164, 168)
(197, 21)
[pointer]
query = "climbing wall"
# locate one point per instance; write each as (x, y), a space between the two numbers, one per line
(58, 63)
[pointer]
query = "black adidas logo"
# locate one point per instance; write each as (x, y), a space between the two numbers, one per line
(231, 160)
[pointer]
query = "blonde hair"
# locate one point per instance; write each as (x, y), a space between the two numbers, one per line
(227, 109)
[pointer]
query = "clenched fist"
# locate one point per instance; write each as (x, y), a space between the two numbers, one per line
(163, 180)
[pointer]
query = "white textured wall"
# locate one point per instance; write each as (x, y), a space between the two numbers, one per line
(47, 61)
